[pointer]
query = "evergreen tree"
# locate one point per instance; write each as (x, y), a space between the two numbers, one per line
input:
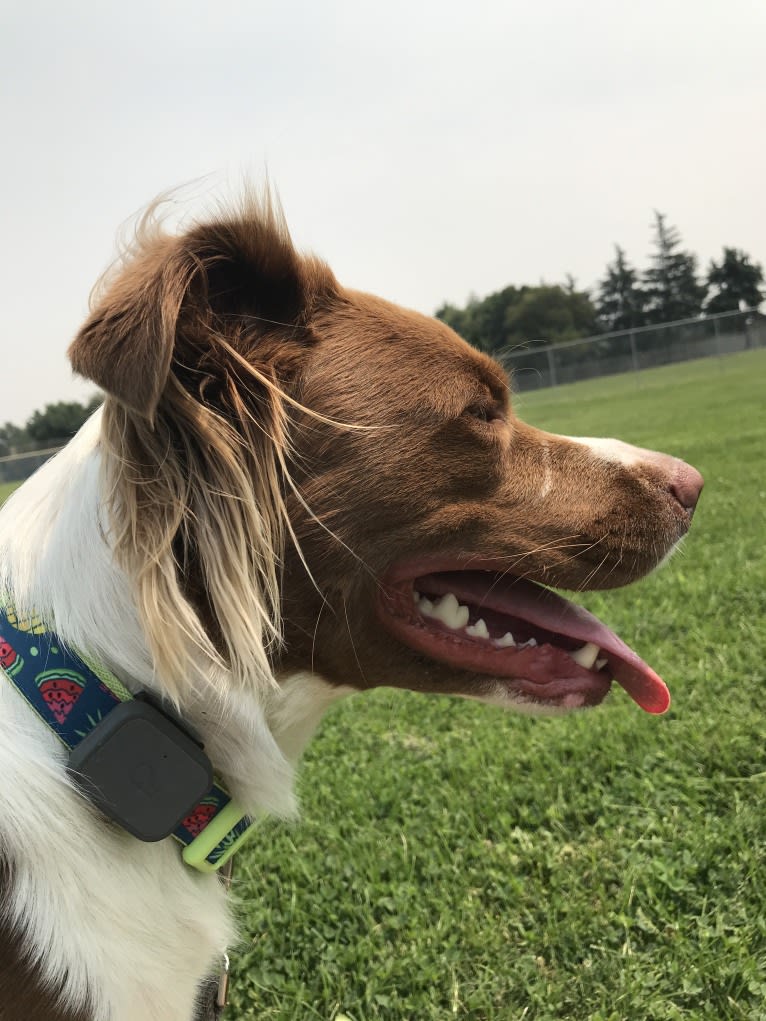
(620, 301)
(670, 285)
(735, 279)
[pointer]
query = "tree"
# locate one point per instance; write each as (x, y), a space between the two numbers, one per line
(518, 314)
(60, 421)
(483, 321)
(620, 301)
(670, 285)
(551, 313)
(490, 317)
(11, 439)
(733, 281)
(454, 317)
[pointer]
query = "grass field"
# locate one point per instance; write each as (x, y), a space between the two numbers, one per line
(456, 862)
(6, 488)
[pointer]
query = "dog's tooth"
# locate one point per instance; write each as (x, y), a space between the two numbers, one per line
(529, 644)
(600, 663)
(478, 630)
(449, 611)
(442, 607)
(446, 610)
(506, 641)
(586, 656)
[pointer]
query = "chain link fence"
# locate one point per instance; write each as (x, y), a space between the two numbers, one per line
(538, 364)
(17, 467)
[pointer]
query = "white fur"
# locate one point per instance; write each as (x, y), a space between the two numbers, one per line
(501, 696)
(120, 922)
(612, 450)
(547, 481)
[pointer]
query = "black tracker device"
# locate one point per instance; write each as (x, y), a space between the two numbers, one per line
(140, 767)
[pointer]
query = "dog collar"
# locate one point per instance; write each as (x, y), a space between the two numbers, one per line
(137, 762)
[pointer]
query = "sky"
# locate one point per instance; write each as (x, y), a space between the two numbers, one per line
(427, 150)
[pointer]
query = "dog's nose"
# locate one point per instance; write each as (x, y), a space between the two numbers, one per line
(681, 481)
(686, 485)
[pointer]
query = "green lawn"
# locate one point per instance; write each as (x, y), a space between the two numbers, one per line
(456, 862)
(6, 488)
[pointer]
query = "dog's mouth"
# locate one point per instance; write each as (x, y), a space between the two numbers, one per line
(534, 643)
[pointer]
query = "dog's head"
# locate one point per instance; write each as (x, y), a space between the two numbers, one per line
(303, 477)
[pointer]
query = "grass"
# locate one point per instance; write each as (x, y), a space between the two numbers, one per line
(456, 862)
(6, 488)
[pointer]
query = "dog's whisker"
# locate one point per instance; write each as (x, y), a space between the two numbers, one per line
(322, 605)
(353, 644)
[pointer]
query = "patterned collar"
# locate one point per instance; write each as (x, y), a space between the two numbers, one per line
(81, 702)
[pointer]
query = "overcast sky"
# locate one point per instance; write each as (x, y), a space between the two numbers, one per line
(427, 150)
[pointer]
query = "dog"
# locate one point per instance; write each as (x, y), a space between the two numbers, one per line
(293, 491)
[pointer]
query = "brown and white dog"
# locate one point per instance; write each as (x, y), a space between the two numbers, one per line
(293, 491)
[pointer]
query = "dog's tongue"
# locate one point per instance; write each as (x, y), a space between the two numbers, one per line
(547, 609)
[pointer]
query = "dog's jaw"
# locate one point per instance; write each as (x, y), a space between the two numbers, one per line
(542, 648)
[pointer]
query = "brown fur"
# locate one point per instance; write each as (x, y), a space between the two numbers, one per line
(440, 480)
(234, 435)
(22, 996)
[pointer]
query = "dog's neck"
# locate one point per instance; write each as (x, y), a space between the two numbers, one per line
(55, 559)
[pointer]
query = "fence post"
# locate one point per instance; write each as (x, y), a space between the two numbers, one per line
(551, 366)
(633, 352)
(717, 337)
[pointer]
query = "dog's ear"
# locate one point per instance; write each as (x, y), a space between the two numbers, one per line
(215, 277)
(196, 342)
(127, 342)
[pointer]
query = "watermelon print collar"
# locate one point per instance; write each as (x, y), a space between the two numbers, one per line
(73, 695)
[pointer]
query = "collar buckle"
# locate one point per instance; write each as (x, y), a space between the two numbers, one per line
(226, 832)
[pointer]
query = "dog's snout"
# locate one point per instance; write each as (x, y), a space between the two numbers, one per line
(685, 485)
(681, 481)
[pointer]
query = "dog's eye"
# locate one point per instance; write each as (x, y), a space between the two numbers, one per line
(481, 413)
